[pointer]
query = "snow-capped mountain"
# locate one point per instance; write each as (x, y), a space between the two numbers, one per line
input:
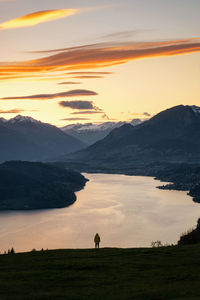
(89, 133)
(22, 119)
(24, 138)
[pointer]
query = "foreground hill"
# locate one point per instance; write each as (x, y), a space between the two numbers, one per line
(24, 138)
(31, 185)
(139, 274)
(170, 136)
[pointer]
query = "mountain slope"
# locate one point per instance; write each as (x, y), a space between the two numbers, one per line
(172, 135)
(24, 138)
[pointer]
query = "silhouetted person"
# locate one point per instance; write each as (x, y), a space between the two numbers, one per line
(12, 251)
(97, 240)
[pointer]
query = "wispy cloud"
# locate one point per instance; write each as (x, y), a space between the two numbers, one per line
(87, 76)
(89, 73)
(95, 56)
(72, 93)
(86, 112)
(37, 18)
(83, 107)
(75, 119)
(105, 116)
(141, 114)
(146, 114)
(79, 104)
(68, 82)
(12, 111)
(121, 34)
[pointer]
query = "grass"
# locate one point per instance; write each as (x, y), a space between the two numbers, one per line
(109, 273)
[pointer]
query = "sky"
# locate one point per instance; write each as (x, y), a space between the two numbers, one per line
(83, 61)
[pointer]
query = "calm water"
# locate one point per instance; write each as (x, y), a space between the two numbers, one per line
(127, 211)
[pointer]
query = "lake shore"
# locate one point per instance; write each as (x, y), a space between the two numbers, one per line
(179, 176)
(127, 211)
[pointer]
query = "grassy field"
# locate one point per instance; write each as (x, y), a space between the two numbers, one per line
(109, 273)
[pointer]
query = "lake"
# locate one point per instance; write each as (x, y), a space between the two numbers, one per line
(127, 211)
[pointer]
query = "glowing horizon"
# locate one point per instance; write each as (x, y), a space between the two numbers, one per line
(123, 66)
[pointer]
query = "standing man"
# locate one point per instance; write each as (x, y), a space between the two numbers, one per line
(97, 240)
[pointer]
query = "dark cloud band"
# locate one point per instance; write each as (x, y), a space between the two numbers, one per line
(72, 93)
(68, 82)
(86, 112)
(78, 104)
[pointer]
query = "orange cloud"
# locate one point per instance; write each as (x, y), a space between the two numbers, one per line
(89, 73)
(12, 111)
(95, 56)
(37, 18)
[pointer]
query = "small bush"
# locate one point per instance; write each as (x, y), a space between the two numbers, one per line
(192, 236)
(156, 244)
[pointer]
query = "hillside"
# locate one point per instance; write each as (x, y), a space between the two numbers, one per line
(31, 185)
(139, 274)
(24, 138)
(170, 136)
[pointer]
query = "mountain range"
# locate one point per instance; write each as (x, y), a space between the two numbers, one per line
(24, 138)
(90, 133)
(173, 135)
(170, 136)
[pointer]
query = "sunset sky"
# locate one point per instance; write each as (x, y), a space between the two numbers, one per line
(84, 61)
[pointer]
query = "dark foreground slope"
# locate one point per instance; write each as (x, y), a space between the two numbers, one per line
(120, 274)
(32, 185)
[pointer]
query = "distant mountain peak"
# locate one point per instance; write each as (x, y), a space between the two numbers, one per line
(3, 120)
(90, 133)
(178, 115)
(22, 119)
